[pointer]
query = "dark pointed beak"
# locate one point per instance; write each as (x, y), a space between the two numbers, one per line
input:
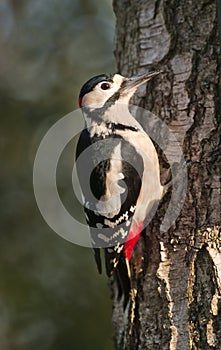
(137, 80)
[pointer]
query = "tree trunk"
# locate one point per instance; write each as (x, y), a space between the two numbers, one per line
(177, 299)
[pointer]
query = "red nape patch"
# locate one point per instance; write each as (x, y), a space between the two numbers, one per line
(132, 239)
(80, 101)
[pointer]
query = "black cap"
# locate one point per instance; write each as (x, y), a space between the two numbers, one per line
(91, 83)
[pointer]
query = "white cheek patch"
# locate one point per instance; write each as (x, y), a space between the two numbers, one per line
(97, 97)
(94, 99)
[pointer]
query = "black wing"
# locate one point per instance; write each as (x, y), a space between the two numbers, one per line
(109, 231)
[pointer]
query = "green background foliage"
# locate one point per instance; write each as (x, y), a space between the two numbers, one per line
(51, 296)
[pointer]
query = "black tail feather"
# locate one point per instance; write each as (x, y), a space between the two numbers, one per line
(116, 265)
(124, 284)
(97, 257)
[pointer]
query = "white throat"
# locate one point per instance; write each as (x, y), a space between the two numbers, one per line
(117, 113)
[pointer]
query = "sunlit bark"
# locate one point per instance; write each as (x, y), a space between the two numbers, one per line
(178, 298)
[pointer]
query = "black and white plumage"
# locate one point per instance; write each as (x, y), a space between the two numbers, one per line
(119, 174)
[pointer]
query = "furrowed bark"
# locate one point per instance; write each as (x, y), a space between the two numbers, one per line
(177, 298)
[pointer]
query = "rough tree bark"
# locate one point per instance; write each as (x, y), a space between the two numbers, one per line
(178, 299)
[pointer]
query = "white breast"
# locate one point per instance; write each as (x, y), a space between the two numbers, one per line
(151, 190)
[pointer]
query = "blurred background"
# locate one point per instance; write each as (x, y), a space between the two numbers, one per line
(51, 296)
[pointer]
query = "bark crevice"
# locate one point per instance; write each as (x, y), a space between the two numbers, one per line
(178, 296)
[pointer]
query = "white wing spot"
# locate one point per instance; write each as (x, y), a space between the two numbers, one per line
(103, 237)
(132, 208)
(123, 217)
(99, 225)
(118, 248)
(121, 232)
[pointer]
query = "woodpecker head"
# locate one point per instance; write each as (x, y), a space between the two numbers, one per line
(111, 89)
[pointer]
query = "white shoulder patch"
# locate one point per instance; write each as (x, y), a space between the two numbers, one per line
(110, 204)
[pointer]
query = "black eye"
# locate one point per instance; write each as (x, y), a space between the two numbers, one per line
(105, 86)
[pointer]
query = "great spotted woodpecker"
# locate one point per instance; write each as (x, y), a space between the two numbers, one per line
(123, 167)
